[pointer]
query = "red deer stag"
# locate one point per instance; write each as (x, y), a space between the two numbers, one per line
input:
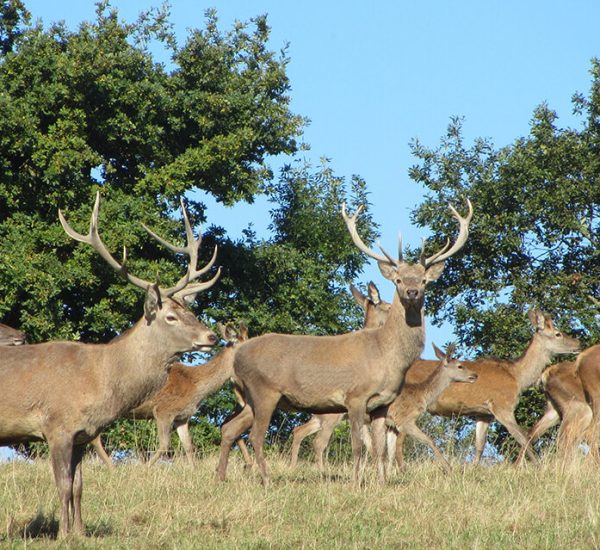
(414, 399)
(67, 392)
(376, 312)
(178, 400)
(500, 383)
(573, 391)
(357, 372)
(11, 336)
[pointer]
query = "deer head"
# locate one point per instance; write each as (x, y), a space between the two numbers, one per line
(164, 307)
(376, 310)
(554, 341)
(453, 368)
(410, 279)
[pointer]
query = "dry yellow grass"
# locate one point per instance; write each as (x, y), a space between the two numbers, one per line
(180, 506)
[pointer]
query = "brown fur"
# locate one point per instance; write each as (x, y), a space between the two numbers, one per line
(11, 336)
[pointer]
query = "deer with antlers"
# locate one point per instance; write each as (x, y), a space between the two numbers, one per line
(495, 394)
(178, 399)
(376, 311)
(359, 372)
(67, 392)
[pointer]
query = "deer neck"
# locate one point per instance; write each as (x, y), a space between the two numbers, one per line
(435, 384)
(135, 366)
(403, 334)
(211, 376)
(529, 367)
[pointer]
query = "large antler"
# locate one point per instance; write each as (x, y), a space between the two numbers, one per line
(351, 225)
(182, 288)
(446, 251)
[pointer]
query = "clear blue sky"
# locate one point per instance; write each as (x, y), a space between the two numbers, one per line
(372, 78)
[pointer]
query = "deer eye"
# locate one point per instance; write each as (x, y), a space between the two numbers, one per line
(558, 335)
(460, 367)
(171, 318)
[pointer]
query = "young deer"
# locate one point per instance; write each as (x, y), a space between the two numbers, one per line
(500, 383)
(357, 372)
(177, 401)
(414, 399)
(67, 392)
(573, 391)
(376, 312)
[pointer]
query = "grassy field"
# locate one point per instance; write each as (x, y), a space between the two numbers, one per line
(175, 505)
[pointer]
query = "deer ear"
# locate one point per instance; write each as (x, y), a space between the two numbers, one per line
(387, 270)
(359, 297)
(433, 272)
(536, 318)
(374, 293)
(243, 331)
(438, 352)
(152, 303)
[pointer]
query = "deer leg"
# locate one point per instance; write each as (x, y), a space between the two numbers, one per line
(263, 411)
(300, 433)
(183, 431)
(231, 431)
(576, 421)
(481, 430)
(413, 430)
(96, 443)
(163, 428)
(356, 414)
(546, 421)
(507, 419)
(322, 439)
(78, 453)
(400, 450)
(378, 430)
(61, 455)
(391, 439)
(245, 454)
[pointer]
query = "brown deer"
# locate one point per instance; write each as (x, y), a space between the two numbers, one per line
(376, 311)
(179, 398)
(11, 336)
(357, 372)
(573, 391)
(414, 399)
(67, 392)
(495, 394)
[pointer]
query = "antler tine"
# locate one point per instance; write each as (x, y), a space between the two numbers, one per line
(188, 290)
(388, 256)
(93, 239)
(351, 225)
(400, 253)
(460, 240)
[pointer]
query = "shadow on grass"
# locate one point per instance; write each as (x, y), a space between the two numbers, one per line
(46, 526)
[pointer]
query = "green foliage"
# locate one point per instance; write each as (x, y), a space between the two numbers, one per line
(535, 234)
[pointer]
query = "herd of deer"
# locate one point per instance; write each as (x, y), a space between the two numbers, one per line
(66, 393)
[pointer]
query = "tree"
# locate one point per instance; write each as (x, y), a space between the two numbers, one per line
(91, 109)
(535, 234)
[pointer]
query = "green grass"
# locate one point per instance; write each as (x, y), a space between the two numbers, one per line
(181, 506)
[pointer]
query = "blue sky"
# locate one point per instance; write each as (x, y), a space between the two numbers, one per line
(373, 78)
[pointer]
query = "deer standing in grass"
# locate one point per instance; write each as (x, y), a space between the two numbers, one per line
(573, 391)
(67, 392)
(376, 311)
(414, 399)
(11, 336)
(177, 401)
(357, 372)
(495, 394)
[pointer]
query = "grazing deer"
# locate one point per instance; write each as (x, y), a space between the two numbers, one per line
(414, 399)
(500, 383)
(357, 372)
(11, 336)
(376, 311)
(67, 392)
(179, 398)
(573, 391)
